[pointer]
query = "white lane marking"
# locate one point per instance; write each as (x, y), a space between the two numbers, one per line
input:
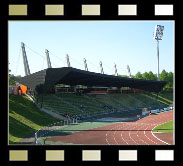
(115, 132)
(148, 137)
(131, 137)
(159, 138)
(140, 137)
(107, 134)
(157, 121)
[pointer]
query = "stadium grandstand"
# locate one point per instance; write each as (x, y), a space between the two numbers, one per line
(65, 101)
(81, 94)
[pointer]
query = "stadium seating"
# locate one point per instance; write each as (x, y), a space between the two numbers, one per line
(88, 106)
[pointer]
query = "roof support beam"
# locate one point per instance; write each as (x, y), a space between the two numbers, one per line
(85, 65)
(48, 58)
(115, 70)
(129, 73)
(101, 68)
(25, 61)
(67, 60)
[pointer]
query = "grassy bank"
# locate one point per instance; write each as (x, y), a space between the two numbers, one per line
(25, 118)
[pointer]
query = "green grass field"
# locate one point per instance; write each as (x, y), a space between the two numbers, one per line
(164, 128)
(25, 118)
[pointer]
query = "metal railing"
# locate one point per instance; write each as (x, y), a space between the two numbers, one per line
(43, 132)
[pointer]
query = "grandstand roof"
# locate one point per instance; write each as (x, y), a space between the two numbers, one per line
(71, 76)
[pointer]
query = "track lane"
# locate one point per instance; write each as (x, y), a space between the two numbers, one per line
(122, 133)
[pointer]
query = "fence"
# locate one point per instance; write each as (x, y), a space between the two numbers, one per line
(47, 129)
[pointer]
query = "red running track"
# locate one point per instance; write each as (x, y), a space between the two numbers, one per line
(122, 133)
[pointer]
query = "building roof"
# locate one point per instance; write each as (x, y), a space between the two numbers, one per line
(47, 78)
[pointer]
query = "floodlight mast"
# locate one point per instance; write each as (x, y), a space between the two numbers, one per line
(158, 34)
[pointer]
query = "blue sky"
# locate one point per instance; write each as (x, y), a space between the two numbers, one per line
(121, 42)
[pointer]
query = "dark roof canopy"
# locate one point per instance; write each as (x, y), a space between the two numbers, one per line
(71, 76)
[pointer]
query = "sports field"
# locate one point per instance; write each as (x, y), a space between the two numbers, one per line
(164, 128)
(137, 132)
(25, 119)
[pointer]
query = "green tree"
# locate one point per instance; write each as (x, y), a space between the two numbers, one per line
(151, 76)
(145, 76)
(167, 76)
(164, 76)
(11, 81)
(170, 79)
(138, 75)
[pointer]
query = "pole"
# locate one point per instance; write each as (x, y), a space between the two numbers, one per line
(101, 68)
(129, 73)
(28, 70)
(115, 70)
(24, 61)
(85, 65)
(158, 59)
(68, 62)
(48, 58)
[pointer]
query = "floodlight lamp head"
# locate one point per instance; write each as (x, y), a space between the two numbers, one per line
(158, 33)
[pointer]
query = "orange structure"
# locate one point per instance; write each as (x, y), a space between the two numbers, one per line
(23, 89)
(104, 92)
